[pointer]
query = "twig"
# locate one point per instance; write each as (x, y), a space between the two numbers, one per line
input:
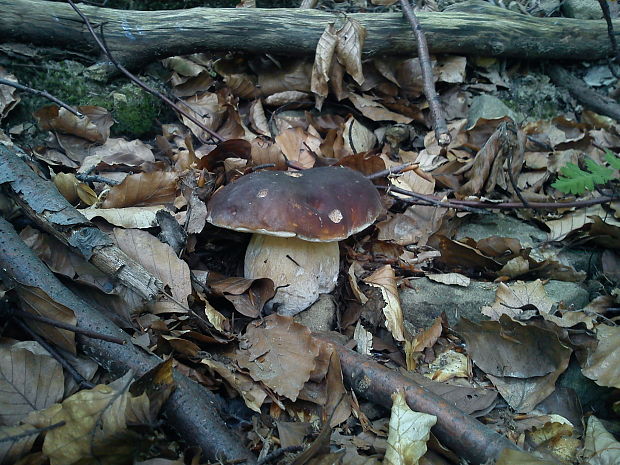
(59, 324)
(276, 454)
(588, 97)
(610, 33)
(439, 120)
(543, 205)
(79, 379)
(135, 80)
(41, 93)
(97, 178)
(32, 432)
(393, 170)
(430, 200)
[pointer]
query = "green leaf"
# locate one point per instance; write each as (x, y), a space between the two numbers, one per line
(600, 174)
(577, 181)
(613, 160)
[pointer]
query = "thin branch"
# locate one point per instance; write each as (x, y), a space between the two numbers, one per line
(97, 178)
(135, 80)
(610, 33)
(542, 205)
(392, 170)
(59, 324)
(439, 120)
(429, 200)
(41, 93)
(32, 432)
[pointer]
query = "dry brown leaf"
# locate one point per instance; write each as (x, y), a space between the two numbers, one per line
(349, 48)
(363, 338)
(451, 69)
(409, 431)
(258, 120)
(428, 337)
(207, 109)
(448, 365)
(600, 446)
(373, 110)
(265, 151)
(251, 392)
(357, 137)
(603, 364)
(325, 49)
(290, 96)
(94, 126)
(297, 145)
(415, 226)
(295, 76)
(575, 220)
(93, 421)
(513, 300)
(385, 279)
(154, 188)
(160, 260)
(523, 362)
(456, 279)
(247, 295)
(38, 302)
(30, 379)
(280, 353)
(128, 218)
(8, 95)
(118, 151)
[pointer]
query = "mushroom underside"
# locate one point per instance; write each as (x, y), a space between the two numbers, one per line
(301, 270)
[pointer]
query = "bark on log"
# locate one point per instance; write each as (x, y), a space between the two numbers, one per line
(139, 37)
(463, 434)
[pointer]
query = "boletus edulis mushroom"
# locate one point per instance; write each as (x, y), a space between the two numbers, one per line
(297, 219)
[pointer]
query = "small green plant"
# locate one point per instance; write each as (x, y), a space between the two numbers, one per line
(574, 180)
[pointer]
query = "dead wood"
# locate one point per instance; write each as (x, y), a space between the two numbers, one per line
(191, 410)
(44, 205)
(583, 93)
(139, 37)
(464, 435)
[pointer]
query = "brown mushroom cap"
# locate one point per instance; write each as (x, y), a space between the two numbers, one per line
(319, 204)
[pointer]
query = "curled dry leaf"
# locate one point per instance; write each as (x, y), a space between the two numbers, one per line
(154, 188)
(385, 279)
(94, 126)
(258, 120)
(324, 55)
(8, 95)
(280, 353)
(408, 433)
(299, 146)
(232, 148)
(207, 109)
(73, 190)
(349, 48)
(247, 295)
(251, 392)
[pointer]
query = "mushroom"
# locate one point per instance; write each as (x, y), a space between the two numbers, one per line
(297, 219)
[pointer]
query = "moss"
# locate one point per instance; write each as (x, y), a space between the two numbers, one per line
(535, 96)
(134, 110)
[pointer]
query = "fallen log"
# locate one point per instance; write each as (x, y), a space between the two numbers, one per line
(463, 434)
(139, 37)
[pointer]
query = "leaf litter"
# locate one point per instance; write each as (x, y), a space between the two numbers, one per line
(290, 114)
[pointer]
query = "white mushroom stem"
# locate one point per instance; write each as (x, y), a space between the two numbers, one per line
(307, 269)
